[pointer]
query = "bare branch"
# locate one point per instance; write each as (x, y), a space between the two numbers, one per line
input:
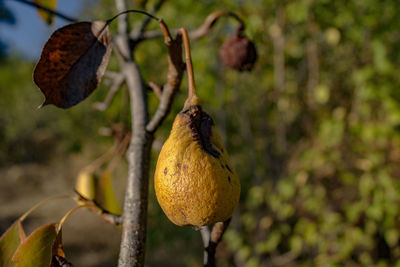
(117, 83)
(216, 236)
(210, 21)
(112, 218)
(197, 33)
(111, 74)
(107, 216)
(205, 235)
(156, 89)
(53, 12)
(133, 238)
(176, 68)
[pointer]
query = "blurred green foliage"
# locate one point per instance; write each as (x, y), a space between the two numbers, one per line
(318, 157)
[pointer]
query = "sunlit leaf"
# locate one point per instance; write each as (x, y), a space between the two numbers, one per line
(9, 243)
(36, 249)
(99, 189)
(105, 194)
(46, 16)
(73, 62)
(86, 185)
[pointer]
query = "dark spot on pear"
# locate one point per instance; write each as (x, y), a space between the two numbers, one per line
(200, 124)
(229, 169)
(165, 171)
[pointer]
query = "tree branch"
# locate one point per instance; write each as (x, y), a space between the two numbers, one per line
(53, 12)
(197, 33)
(176, 68)
(205, 236)
(214, 238)
(133, 240)
(117, 83)
(107, 216)
(210, 21)
(156, 89)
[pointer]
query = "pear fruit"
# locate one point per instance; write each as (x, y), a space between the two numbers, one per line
(194, 181)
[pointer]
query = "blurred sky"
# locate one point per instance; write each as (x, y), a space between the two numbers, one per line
(28, 35)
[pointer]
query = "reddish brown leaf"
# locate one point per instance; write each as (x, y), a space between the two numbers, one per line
(72, 63)
(58, 259)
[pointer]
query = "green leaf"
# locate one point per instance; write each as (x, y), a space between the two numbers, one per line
(36, 249)
(86, 185)
(105, 194)
(46, 16)
(9, 243)
(99, 189)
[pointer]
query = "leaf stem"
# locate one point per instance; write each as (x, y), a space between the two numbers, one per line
(132, 11)
(63, 219)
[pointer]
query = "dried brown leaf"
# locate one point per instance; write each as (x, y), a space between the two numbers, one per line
(73, 62)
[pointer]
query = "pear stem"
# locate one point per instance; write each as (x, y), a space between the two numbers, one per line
(189, 67)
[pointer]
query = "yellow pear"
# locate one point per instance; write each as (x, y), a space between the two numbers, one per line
(195, 183)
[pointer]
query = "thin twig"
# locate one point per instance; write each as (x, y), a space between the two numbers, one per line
(94, 206)
(205, 235)
(156, 89)
(215, 238)
(194, 34)
(111, 74)
(49, 10)
(117, 83)
(210, 21)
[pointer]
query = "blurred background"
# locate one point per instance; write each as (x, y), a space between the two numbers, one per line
(313, 132)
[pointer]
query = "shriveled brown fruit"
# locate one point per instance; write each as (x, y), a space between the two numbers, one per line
(238, 52)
